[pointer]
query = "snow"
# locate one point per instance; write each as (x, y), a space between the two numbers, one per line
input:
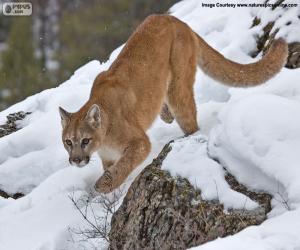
(189, 159)
(253, 132)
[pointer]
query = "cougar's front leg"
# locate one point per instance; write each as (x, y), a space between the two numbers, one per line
(134, 153)
(107, 164)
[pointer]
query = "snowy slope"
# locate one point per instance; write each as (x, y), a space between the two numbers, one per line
(255, 133)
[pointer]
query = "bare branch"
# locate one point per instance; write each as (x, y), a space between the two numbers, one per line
(98, 226)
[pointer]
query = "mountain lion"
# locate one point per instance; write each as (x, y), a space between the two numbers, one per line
(154, 73)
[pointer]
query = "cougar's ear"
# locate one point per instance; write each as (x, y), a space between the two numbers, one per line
(93, 116)
(65, 117)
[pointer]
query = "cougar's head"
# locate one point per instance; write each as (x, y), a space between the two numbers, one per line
(82, 134)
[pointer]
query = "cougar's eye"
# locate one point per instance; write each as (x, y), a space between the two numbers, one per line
(69, 142)
(85, 141)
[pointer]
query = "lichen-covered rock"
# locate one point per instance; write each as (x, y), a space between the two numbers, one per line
(162, 212)
(11, 125)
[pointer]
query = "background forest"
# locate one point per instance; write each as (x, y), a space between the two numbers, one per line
(42, 50)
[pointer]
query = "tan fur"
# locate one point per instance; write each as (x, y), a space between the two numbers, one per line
(165, 114)
(242, 75)
(156, 66)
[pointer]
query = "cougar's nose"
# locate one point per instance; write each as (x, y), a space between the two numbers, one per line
(77, 160)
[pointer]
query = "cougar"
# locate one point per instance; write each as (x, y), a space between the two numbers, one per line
(154, 73)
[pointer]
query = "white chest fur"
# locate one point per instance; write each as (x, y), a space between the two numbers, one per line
(107, 153)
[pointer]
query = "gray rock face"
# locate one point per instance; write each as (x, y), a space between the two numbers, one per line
(162, 212)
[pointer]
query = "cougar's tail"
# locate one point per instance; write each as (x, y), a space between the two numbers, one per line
(242, 75)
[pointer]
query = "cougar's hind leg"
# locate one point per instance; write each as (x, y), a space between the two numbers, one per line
(166, 115)
(184, 108)
(180, 94)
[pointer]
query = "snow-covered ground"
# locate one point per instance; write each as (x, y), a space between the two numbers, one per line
(254, 132)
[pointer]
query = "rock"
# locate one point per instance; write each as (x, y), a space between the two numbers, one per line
(162, 212)
(11, 126)
(14, 196)
(265, 40)
(294, 56)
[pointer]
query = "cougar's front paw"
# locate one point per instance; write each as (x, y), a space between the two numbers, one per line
(105, 183)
